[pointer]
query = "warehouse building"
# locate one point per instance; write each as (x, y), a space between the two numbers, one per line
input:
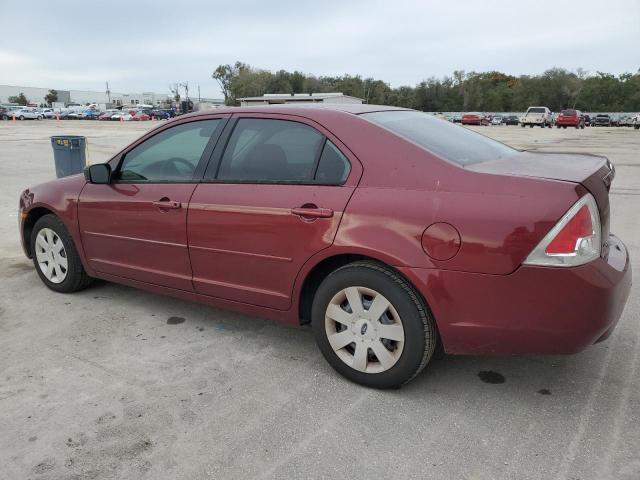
(35, 95)
(280, 98)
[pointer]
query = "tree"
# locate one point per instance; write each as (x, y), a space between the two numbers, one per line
(493, 91)
(51, 97)
(19, 99)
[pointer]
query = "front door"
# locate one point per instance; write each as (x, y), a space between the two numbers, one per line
(271, 200)
(135, 227)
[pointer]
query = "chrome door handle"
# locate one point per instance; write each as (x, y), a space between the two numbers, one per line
(167, 204)
(312, 212)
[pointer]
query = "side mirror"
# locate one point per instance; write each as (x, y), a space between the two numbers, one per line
(99, 173)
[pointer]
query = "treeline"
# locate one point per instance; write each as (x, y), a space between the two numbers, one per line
(556, 88)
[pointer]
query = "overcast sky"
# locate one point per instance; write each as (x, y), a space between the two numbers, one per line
(145, 45)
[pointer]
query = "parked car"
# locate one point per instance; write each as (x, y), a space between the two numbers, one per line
(541, 116)
(140, 116)
(159, 115)
(625, 121)
(474, 119)
(496, 120)
(106, 115)
(74, 115)
(570, 118)
(91, 114)
(26, 113)
(457, 118)
(601, 120)
(124, 116)
(4, 113)
(383, 266)
(511, 120)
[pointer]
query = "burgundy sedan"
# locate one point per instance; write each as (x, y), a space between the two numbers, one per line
(389, 230)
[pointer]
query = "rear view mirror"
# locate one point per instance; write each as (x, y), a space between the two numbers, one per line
(99, 173)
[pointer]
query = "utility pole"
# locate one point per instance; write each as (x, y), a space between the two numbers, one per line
(198, 93)
(108, 93)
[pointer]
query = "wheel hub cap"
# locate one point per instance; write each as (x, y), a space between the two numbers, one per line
(364, 329)
(51, 255)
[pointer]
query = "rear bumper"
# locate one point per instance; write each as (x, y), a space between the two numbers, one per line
(568, 122)
(535, 310)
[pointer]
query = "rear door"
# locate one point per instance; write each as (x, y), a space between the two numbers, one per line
(270, 200)
(135, 227)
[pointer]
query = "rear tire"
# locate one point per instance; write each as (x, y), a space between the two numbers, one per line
(55, 256)
(379, 350)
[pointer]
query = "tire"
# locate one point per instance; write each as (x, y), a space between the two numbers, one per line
(522, 125)
(406, 355)
(74, 278)
(531, 125)
(39, 117)
(21, 117)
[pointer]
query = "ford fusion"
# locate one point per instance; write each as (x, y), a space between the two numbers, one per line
(388, 230)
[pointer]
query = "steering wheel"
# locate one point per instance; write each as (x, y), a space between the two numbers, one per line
(170, 167)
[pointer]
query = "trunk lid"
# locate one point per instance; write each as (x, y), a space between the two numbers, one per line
(593, 172)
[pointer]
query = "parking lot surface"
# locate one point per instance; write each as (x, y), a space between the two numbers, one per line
(114, 382)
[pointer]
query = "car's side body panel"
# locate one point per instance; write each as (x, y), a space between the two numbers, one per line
(484, 301)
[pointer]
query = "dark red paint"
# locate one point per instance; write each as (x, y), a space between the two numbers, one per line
(459, 235)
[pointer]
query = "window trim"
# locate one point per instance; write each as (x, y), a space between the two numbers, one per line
(200, 166)
(215, 162)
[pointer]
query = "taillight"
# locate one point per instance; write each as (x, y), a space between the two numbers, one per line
(574, 240)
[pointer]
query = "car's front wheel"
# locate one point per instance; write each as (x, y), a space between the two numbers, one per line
(55, 256)
(372, 326)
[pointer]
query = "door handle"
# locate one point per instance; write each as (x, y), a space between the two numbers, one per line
(312, 212)
(167, 204)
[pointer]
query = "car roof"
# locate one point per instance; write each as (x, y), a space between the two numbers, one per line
(303, 110)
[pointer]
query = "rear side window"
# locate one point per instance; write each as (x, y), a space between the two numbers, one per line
(333, 167)
(444, 139)
(269, 150)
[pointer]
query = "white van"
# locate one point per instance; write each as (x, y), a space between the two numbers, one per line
(541, 116)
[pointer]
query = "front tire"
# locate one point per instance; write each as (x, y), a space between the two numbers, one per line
(55, 256)
(372, 326)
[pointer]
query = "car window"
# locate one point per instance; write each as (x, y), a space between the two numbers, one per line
(171, 155)
(267, 150)
(536, 110)
(444, 139)
(333, 167)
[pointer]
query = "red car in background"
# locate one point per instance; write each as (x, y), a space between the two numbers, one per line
(387, 229)
(570, 118)
(140, 116)
(474, 119)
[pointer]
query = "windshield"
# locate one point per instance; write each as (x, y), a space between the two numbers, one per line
(444, 139)
(536, 110)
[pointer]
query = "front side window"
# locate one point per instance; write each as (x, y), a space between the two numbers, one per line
(267, 150)
(170, 156)
(444, 139)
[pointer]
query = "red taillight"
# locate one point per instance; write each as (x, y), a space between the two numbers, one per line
(580, 226)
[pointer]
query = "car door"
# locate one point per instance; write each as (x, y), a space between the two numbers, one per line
(135, 227)
(269, 201)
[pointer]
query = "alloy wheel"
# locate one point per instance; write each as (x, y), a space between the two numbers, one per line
(364, 329)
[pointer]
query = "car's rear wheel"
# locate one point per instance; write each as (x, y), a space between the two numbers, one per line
(372, 326)
(55, 256)
(21, 117)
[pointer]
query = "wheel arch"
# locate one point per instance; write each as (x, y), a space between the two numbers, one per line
(323, 267)
(29, 222)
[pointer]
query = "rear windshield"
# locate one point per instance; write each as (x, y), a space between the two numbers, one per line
(447, 140)
(536, 110)
(568, 113)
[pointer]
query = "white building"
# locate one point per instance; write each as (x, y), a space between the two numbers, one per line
(35, 95)
(280, 98)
